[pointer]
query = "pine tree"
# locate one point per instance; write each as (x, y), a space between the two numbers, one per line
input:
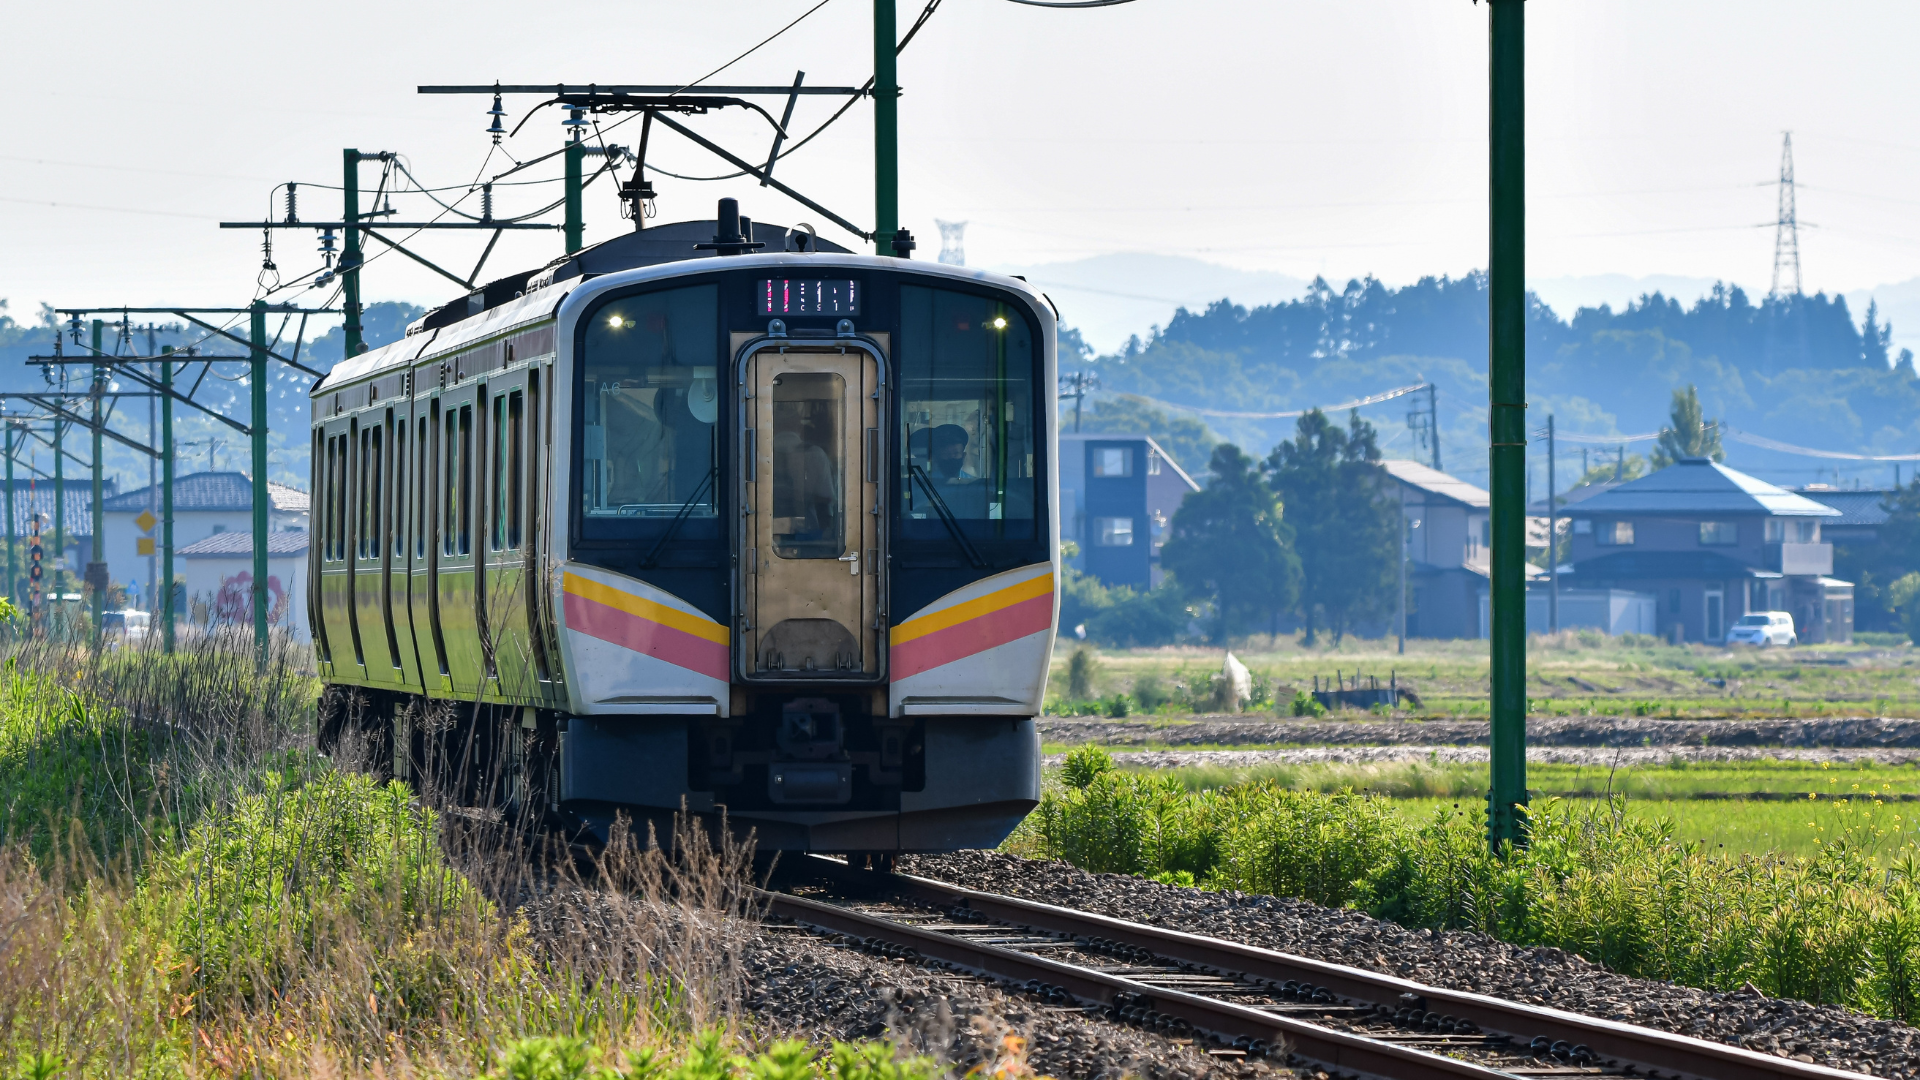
(1689, 434)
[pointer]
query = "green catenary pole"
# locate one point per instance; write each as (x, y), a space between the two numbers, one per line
(1507, 401)
(257, 380)
(97, 566)
(13, 570)
(576, 228)
(886, 129)
(350, 251)
(166, 499)
(59, 508)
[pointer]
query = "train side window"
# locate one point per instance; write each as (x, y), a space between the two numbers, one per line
(497, 504)
(400, 489)
(449, 491)
(650, 394)
(515, 478)
(376, 497)
(465, 519)
(423, 481)
(339, 457)
(967, 375)
(535, 433)
(360, 492)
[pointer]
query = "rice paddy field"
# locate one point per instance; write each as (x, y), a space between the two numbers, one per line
(1569, 674)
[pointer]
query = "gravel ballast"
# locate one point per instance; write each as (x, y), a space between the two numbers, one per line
(1826, 1034)
(801, 984)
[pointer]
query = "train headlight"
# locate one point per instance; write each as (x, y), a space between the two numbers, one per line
(616, 321)
(999, 322)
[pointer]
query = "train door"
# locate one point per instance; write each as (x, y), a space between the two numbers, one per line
(517, 667)
(461, 481)
(338, 436)
(370, 489)
(424, 595)
(811, 571)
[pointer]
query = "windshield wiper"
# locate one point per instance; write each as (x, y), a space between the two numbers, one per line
(686, 508)
(946, 517)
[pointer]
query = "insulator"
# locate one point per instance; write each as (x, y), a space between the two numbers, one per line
(498, 115)
(293, 203)
(266, 250)
(576, 121)
(73, 326)
(486, 202)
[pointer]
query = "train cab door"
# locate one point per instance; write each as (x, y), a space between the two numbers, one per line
(811, 569)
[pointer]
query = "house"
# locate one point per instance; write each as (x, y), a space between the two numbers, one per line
(204, 504)
(217, 578)
(1862, 513)
(1710, 544)
(1117, 494)
(1448, 530)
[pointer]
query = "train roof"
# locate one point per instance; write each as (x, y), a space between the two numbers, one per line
(520, 299)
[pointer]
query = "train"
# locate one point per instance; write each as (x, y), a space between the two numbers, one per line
(714, 517)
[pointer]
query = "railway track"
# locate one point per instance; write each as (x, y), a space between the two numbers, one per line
(1241, 1001)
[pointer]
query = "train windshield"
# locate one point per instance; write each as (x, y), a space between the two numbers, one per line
(967, 368)
(650, 395)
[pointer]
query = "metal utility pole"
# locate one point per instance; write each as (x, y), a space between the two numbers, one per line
(166, 499)
(1786, 228)
(886, 129)
(576, 228)
(350, 258)
(13, 571)
(1406, 552)
(1433, 422)
(257, 380)
(1553, 536)
(1507, 421)
(97, 566)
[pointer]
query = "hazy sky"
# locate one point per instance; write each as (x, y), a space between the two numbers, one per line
(1295, 137)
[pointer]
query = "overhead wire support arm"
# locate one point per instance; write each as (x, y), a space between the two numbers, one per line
(243, 341)
(385, 225)
(396, 245)
(51, 403)
(563, 90)
(741, 163)
(124, 369)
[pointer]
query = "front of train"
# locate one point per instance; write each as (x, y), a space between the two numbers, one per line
(810, 573)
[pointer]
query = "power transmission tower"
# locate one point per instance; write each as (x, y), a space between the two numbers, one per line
(1786, 228)
(953, 245)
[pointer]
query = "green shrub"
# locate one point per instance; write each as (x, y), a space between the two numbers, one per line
(708, 1056)
(1083, 765)
(1118, 706)
(1080, 671)
(1305, 704)
(1151, 693)
(1613, 887)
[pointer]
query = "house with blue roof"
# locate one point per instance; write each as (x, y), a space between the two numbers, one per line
(1711, 544)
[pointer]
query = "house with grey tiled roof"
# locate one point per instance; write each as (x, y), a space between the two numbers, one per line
(205, 504)
(217, 579)
(1710, 544)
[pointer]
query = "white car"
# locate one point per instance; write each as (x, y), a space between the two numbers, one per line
(1763, 628)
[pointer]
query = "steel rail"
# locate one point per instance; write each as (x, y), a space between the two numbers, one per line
(1670, 1054)
(1321, 1045)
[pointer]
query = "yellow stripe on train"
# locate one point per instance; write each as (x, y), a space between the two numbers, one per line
(589, 589)
(972, 609)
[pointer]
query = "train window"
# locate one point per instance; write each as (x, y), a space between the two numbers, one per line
(400, 490)
(464, 517)
(450, 501)
(376, 499)
(497, 534)
(515, 480)
(966, 393)
(360, 496)
(809, 505)
(340, 498)
(422, 477)
(650, 394)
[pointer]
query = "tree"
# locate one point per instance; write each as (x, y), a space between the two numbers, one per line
(1346, 526)
(1688, 434)
(1228, 545)
(1186, 440)
(1612, 469)
(1876, 339)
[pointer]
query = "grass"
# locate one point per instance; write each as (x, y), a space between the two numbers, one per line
(1613, 881)
(1569, 674)
(190, 889)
